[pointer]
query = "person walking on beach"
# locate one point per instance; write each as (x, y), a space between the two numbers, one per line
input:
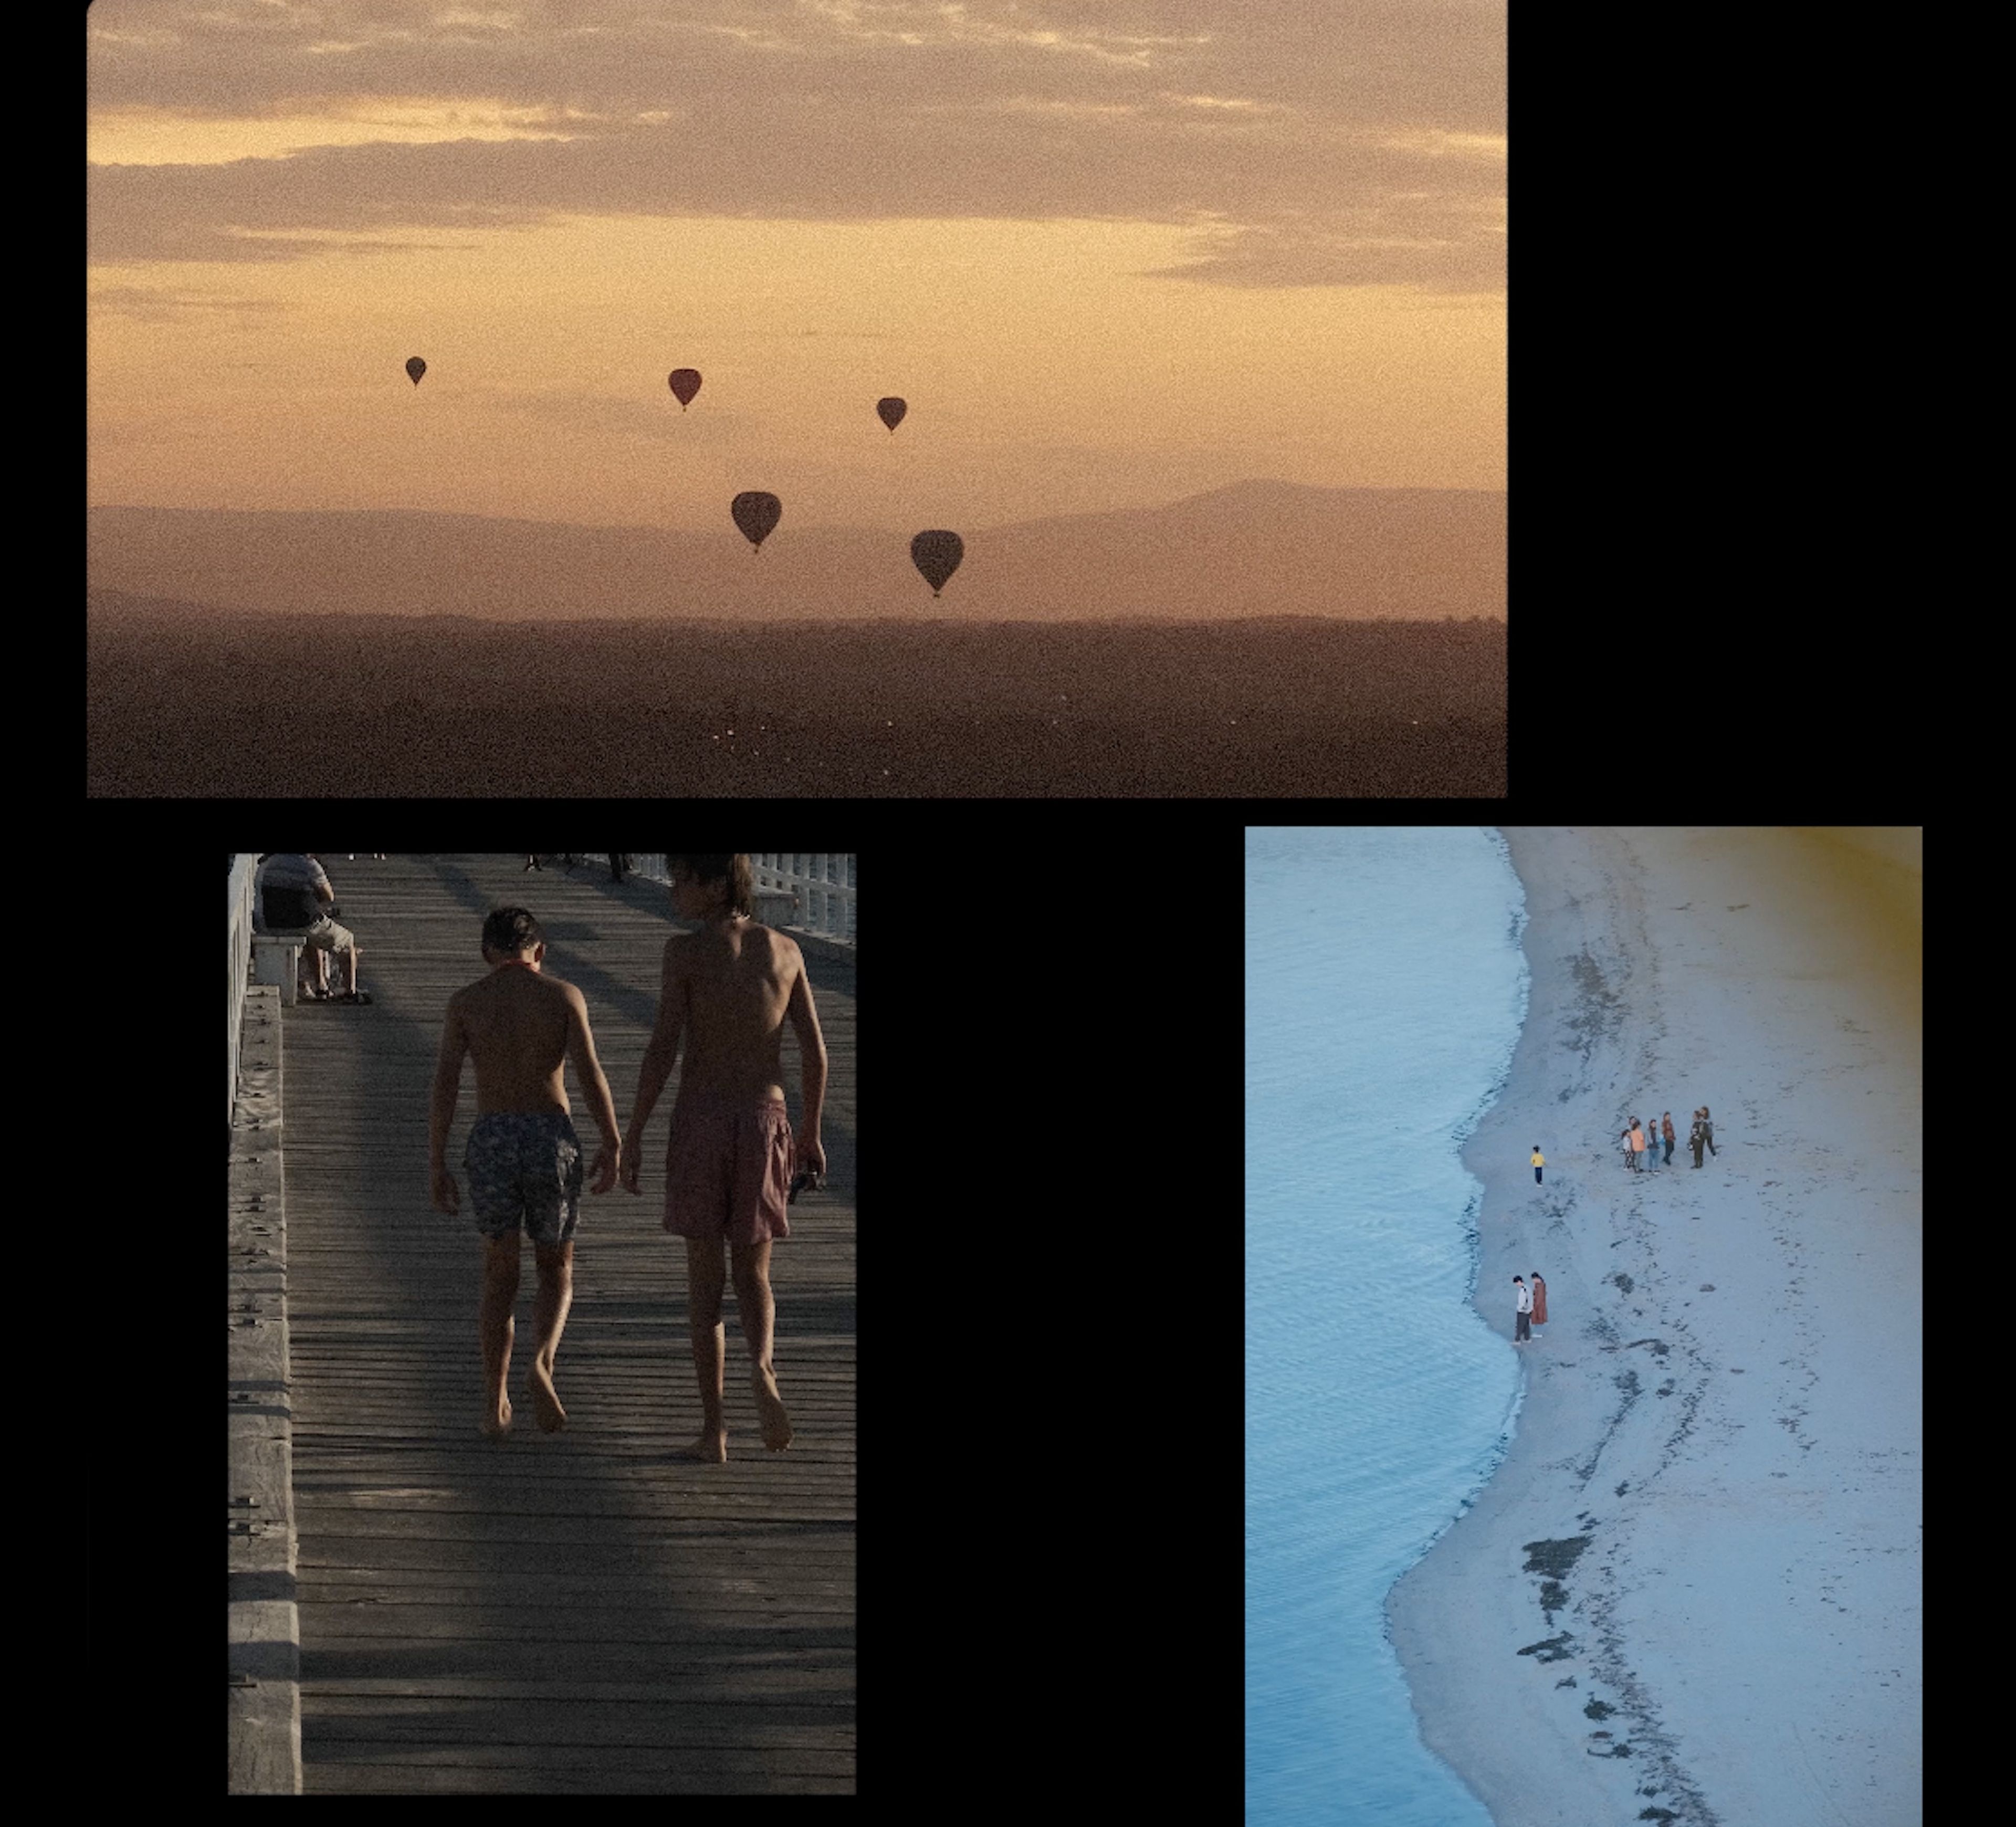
(1666, 1124)
(1637, 1145)
(1540, 1162)
(1539, 1303)
(1695, 1139)
(520, 1027)
(1708, 1129)
(728, 989)
(1522, 1311)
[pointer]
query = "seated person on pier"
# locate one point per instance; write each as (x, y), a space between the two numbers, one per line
(285, 902)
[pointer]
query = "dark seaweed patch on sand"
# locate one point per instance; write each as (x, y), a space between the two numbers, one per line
(1552, 1561)
(1555, 1559)
(1598, 1014)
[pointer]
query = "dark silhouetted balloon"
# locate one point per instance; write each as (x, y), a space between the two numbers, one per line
(891, 412)
(756, 514)
(416, 368)
(937, 555)
(685, 383)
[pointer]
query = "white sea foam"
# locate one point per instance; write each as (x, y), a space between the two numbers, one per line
(1385, 989)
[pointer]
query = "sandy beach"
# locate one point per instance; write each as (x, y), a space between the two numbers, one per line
(1692, 1592)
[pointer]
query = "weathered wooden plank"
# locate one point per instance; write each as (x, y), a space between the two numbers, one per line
(429, 1555)
(385, 1771)
(529, 1580)
(749, 1670)
(264, 1628)
(633, 1725)
(707, 1665)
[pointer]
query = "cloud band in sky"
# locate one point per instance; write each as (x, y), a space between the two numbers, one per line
(1309, 145)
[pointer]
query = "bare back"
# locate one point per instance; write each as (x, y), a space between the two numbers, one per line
(736, 987)
(517, 1023)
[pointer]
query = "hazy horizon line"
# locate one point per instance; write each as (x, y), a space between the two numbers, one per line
(267, 617)
(822, 526)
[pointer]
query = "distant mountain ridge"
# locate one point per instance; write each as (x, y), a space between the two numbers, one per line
(1253, 548)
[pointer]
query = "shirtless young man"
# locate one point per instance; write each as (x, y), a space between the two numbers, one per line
(523, 1159)
(728, 991)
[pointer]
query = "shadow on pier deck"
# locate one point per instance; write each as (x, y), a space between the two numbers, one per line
(575, 1612)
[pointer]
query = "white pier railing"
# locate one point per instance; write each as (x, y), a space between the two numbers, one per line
(822, 882)
(242, 870)
(824, 885)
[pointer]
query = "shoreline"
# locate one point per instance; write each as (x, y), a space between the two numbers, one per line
(1690, 1592)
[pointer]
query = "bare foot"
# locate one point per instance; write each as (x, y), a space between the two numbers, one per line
(500, 1424)
(545, 1404)
(711, 1447)
(770, 1412)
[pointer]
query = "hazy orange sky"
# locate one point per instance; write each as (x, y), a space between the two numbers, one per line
(1112, 252)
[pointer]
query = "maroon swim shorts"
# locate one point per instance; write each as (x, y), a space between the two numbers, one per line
(727, 1170)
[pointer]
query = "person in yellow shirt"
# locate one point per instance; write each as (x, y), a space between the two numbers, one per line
(1539, 1162)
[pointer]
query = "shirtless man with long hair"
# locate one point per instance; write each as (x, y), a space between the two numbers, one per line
(727, 990)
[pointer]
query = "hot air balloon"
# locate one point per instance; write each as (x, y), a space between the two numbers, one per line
(937, 555)
(416, 367)
(891, 412)
(685, 383)
(757, 514)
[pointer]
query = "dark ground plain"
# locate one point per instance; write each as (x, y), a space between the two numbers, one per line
(184, 702)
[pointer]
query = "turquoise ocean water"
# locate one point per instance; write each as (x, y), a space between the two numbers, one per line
(1384, 991)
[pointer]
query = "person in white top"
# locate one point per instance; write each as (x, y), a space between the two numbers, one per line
(286, 894)
(1523, 1301)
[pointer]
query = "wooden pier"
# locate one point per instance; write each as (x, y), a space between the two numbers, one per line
(576, 1612)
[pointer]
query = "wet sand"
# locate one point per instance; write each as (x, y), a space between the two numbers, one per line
(1692, 1591)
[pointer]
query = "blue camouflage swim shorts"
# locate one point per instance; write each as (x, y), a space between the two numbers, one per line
(525, 1167)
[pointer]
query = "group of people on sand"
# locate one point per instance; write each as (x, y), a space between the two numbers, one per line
(1641, 1139)
(1530, 1305)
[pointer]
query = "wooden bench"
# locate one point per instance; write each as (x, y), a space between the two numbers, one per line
(276, 958)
